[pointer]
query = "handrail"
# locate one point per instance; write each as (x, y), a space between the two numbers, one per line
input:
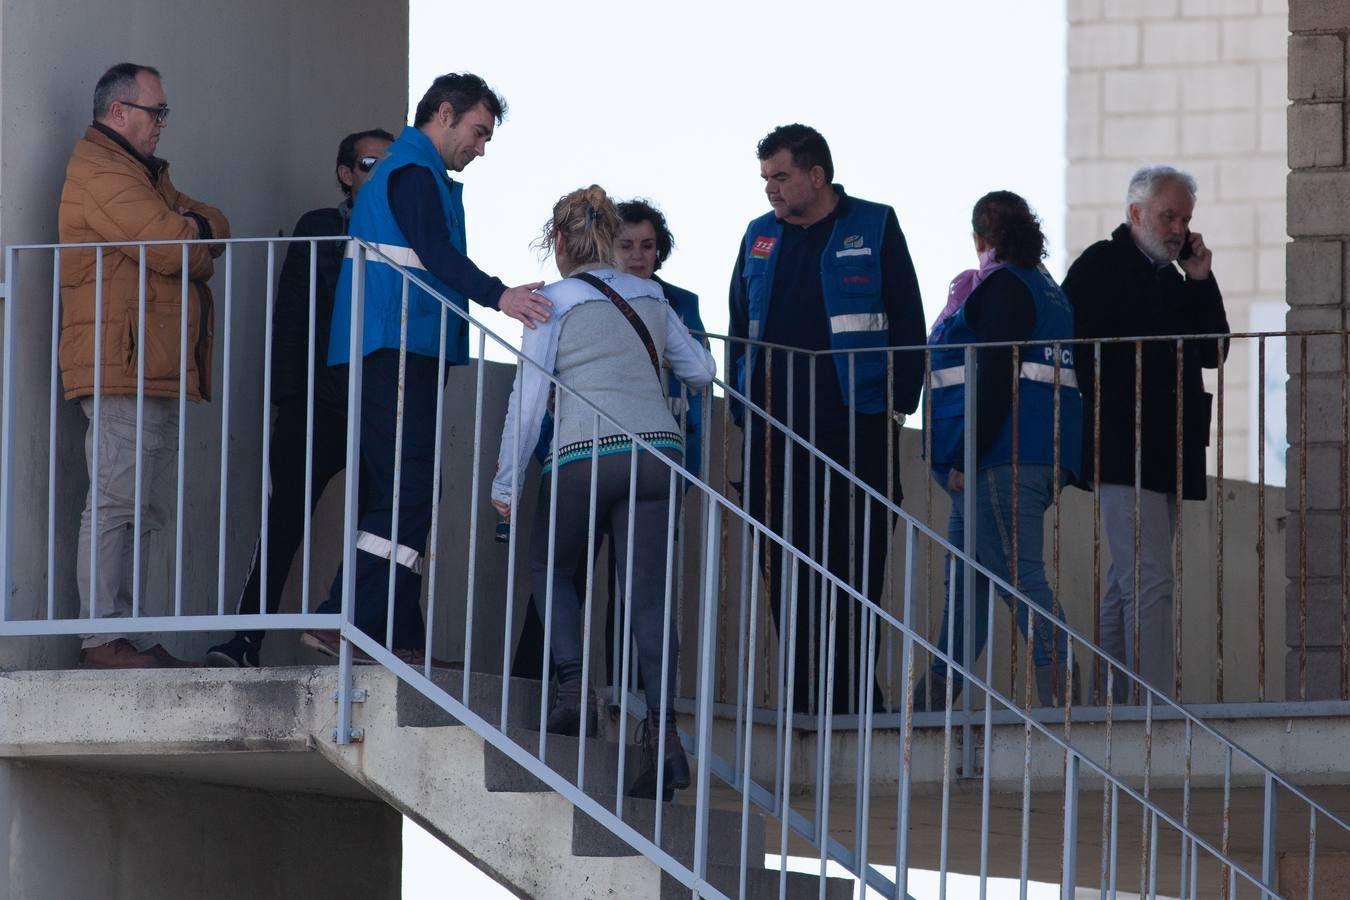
(716, 507)
(1058, 622)
(911, 522)
(1042, 342)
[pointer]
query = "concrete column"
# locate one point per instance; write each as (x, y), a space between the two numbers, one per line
(1318, 294)
(261, 95)
(72, 832)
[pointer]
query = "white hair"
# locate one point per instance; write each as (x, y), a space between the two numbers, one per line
(1145, 183)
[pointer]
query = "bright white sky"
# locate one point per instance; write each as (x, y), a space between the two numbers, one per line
(926, 106)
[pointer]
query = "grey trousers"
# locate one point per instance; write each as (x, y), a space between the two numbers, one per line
(1154, 658)
(114, 485)
(649, 509)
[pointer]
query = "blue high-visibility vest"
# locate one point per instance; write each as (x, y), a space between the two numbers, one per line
(850, 279)
(373, 221)
(1036, 387)
(685, 304)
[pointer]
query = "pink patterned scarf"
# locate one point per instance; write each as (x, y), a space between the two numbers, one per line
(964, 284)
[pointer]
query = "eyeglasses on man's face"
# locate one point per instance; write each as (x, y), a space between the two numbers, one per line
(159, 113)
(366, 163)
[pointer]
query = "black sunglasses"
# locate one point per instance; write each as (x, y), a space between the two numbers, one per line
(366, 163)
(159, 113)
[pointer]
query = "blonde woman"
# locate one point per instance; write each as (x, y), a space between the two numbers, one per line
(610, 335)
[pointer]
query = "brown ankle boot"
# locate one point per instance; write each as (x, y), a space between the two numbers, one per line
(565, 715)
(676, 764)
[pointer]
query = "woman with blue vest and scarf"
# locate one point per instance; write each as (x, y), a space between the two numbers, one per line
(1009, 298)
(607, 341)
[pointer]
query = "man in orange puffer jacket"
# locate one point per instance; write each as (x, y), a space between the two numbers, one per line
(116, 189)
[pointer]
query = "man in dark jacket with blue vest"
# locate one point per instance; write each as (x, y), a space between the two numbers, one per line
(412, 214)
(824, 272)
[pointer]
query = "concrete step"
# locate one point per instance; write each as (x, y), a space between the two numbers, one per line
(677, 833)
(501, 773)
(485, 698)
(761, 884)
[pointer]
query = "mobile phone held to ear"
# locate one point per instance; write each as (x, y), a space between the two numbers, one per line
(1186, 251)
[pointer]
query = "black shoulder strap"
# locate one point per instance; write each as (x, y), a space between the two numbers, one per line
(628, 313)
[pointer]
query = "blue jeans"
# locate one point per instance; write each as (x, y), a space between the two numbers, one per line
(993, 547)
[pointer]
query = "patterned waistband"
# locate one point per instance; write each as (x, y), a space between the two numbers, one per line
(616, 443)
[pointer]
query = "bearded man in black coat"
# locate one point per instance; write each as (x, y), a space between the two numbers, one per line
(1152, 277)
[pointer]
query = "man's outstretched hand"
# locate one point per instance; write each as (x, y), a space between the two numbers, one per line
(524, 305)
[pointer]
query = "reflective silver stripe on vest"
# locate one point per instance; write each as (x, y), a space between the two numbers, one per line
(858, 322)
(1046, 374)
(948, 377)
(375, 545)
(404, 256)
(856, 251)
(1030, 371)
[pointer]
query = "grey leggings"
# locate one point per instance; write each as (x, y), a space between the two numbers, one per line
(650, 508)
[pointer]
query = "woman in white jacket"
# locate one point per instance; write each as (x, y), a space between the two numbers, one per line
(610, 335)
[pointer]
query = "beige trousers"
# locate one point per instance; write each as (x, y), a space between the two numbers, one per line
(105, 582)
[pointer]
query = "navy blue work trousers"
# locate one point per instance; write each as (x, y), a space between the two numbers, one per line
(377, 547)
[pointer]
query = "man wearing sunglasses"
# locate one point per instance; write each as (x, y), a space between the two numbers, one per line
(292, 366)
(116, 189)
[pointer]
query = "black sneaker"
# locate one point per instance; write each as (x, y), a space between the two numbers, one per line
(236, 653)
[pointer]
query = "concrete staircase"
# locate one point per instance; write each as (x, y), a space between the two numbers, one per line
(271, 730)
(522, 832)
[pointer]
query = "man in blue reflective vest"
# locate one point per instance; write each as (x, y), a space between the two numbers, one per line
(412, 213)
(831, 274)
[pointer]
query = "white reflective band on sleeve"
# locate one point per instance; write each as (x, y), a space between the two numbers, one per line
(856, 251)
(948, 377)
(404, 256)
(858, 322)
(375, 545)
(1045, 374)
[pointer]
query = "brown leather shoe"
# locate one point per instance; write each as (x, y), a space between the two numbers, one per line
(120, 654)
(167, 660)
(418, 658)
(329, 643)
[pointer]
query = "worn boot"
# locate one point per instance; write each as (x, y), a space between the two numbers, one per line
(676, 764)
(565, 715)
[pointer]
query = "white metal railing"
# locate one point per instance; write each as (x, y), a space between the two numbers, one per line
(804, 807)
(1228, 557)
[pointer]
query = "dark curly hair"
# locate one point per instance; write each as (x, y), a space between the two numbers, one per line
(807, 146)
(637, 211)
(1011, 227)
(346, 155)
(463, 91)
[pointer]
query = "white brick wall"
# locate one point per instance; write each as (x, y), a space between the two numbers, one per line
(1255, 38)
(1104, 45)
(1132, 91)
(1225, 87)
(1140, 9)
(1212, 8)
(1141, 135)
(1172, 43)
(1202, 85)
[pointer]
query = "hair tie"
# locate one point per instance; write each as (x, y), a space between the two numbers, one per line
(592, 216)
